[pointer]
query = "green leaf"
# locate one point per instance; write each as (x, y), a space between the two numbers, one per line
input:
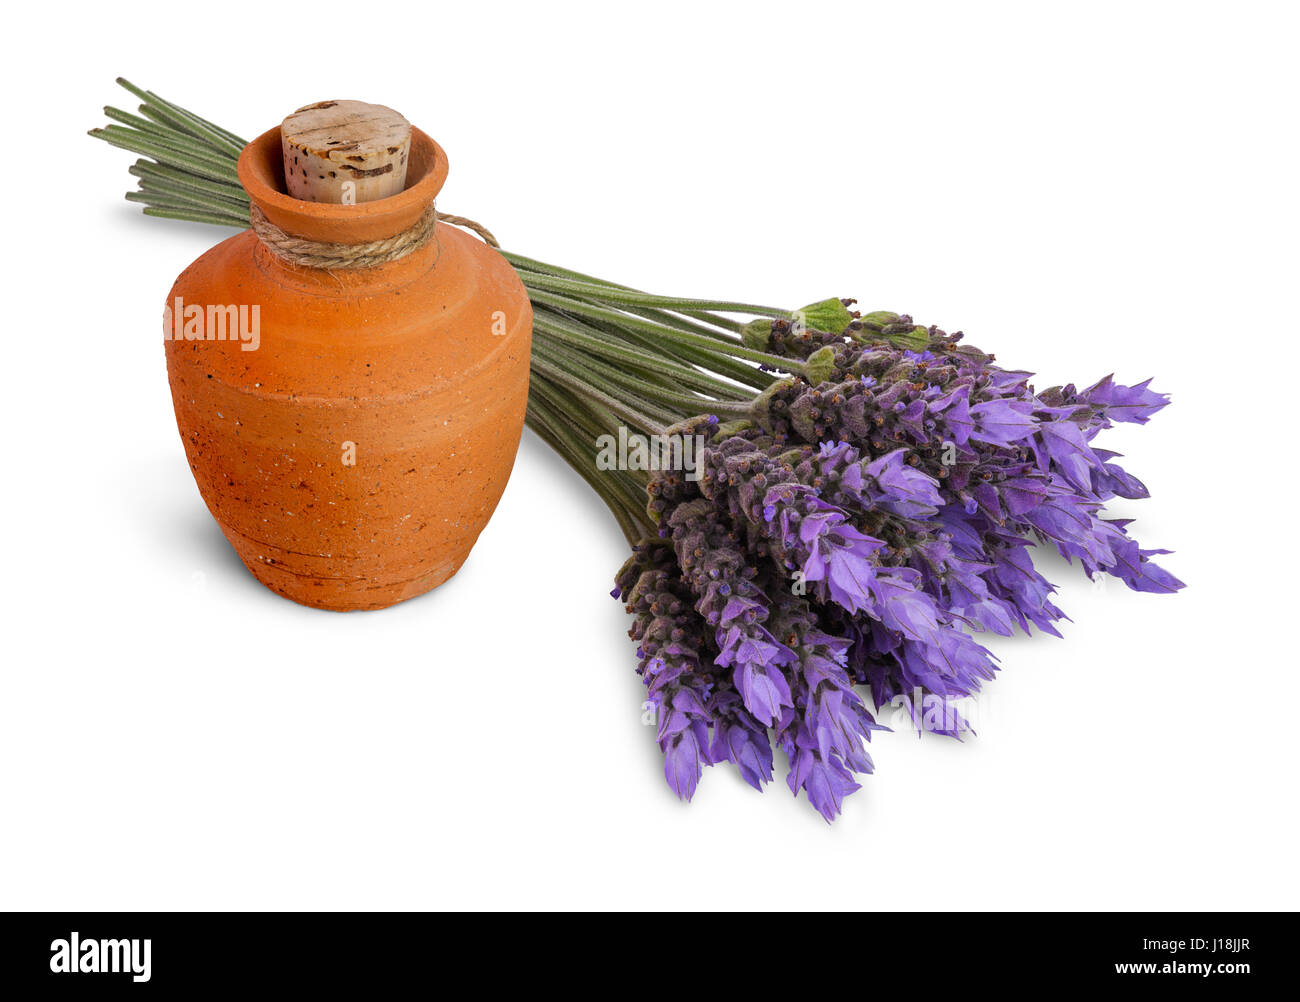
(829, 315)
(757, 334)
(820, 365)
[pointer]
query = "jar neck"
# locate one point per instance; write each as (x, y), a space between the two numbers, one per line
(347, 282)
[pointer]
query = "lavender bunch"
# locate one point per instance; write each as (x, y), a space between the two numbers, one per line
(864, 507)
(869, 517)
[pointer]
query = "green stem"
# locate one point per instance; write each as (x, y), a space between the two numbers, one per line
(680, 337)
(643, 361)
(613, 294)
(582, 381)
(625, 502)
(135, 122)
(152, 173)
(156, 193)
(683, 405)
(614, 405)
(569, 406)
(593, 421)
(629, 528)
(178, 145)
(722, 365)
(138, 142)
(205, 135)
(148, 95)
(522, 263)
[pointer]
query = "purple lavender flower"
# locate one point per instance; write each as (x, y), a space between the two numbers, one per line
(738, 738)
(857, 533)
(1001, 421)
(726, 596)
(678, 685)
(1114, 402)
(824, 732)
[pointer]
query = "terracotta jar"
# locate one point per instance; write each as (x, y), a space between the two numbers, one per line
(350, 430)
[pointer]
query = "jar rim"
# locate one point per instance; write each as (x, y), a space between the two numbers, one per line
(261, 172)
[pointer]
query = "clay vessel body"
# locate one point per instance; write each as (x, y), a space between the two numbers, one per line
(350, 430)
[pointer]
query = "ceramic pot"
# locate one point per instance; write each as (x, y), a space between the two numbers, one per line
(351, 431)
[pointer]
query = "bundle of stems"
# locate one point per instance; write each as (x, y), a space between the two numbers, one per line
(604, 354)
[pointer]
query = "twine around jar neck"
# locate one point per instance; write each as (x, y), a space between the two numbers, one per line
(334, 256)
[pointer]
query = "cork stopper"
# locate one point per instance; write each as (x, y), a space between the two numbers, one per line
(345, 152)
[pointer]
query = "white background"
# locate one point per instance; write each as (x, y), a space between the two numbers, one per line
(1082, 189)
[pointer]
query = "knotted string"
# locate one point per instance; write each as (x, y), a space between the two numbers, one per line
(333, 256)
